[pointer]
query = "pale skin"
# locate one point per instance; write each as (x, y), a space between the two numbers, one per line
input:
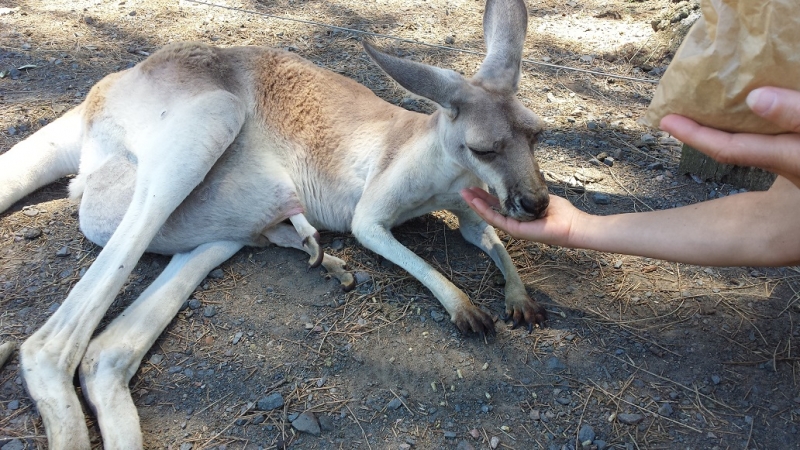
(747, 229)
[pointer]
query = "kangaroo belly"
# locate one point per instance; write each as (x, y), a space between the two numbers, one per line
(232, 204)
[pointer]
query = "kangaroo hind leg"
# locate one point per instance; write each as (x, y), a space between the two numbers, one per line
(113, 357)
(49, 154)
(195, 135)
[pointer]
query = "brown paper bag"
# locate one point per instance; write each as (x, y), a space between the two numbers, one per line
(735, 47)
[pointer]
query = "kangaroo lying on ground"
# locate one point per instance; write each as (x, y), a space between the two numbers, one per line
(199, 151)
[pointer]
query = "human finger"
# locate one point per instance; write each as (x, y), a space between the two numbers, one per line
(780, 106)
(475, 192)
(779, 154)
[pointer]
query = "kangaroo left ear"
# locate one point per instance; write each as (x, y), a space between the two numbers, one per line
(505, 24)
(433, 83)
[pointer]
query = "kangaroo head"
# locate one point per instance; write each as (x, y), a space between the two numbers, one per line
(482, 124)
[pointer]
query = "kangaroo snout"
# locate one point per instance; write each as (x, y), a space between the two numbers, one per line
(528, 205)
(535, 205)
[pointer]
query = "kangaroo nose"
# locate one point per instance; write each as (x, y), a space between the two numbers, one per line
(535, 205)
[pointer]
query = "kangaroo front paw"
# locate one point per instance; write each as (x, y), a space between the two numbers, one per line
(525, 311)
(474, 320)
(347, 280)
(311, 245)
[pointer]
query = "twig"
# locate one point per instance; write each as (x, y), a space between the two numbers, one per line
(359, 425)
(630, 362)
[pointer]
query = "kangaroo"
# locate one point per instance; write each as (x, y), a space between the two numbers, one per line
(198, 151)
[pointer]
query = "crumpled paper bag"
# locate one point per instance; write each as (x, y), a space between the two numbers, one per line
(735, 47)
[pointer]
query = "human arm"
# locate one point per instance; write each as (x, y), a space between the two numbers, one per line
(753, 228)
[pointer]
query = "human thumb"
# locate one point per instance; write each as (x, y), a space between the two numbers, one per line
(780, 106)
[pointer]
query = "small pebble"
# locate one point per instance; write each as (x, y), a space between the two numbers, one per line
(326, 423)
(307, 423)
(210, 311)
(237, 337)
(665, 409)
(270, 402)
(600, 198)
(554, 363)
(394, 404)
(494, 442)
(31, 233)
(586, 433)
(464, 445)
(437, 316)
(216, 274)
(630, 419)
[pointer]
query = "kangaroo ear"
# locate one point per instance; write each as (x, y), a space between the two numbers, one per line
(433, 83)
(505, 23)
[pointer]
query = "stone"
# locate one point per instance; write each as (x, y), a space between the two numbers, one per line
(394, 404)
(31, 233)
(362, 277)
(630, 419)
(307, 423)
(553, 363)
(270, 402)
(586, 433)
(210, 311)
(437, 316)
(464, 445)
(63, 252)
(216, 274)
(326, 423)
(665, 409)
(14, 444)
(600, 198)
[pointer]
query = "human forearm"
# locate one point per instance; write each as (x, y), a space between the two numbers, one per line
(754, 228)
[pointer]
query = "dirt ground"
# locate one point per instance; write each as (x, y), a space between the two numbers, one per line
(639, 353)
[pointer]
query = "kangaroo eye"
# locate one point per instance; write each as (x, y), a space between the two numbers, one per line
(481, 152)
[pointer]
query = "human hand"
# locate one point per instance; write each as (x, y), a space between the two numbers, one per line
(554, 228)
(779, 154)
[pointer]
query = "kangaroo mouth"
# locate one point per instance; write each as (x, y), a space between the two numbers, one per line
(526, 208)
